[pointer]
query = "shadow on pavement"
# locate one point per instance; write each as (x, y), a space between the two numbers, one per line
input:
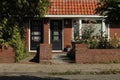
(29, 78)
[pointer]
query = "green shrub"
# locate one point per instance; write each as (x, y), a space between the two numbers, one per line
(5, 32)
(12, 34)
(87, 32)
(18, 44)
(98, 40)
(115, 41)
(92, 43)
(103, 43)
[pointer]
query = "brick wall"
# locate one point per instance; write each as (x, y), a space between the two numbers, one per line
(114, 29)
(7, 55)
(46, 31)
(26, 35)
(45, 53)
(67, 31)
(85, 55)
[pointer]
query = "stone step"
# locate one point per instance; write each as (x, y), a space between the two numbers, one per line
(61, 58)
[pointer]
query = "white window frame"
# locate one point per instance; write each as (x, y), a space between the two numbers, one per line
(104, 27)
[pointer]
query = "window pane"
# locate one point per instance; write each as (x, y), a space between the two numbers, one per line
(106, 32)
(76, 30)
(95, 25)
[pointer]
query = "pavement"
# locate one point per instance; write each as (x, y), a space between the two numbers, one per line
(62, 68)
(60, 64)
(56, 68)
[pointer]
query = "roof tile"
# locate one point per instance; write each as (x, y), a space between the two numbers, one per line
(72, 7)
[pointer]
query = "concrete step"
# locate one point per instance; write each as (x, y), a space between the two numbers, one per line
(61, 58)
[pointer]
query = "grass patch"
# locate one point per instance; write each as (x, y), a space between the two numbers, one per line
(110, 71)
(66, 73)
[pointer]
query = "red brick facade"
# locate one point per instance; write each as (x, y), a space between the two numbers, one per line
(114, 29)
(46, 31)
(7, 55)
(45, 53)
(26, 35)
(67, 31)
(85, 55)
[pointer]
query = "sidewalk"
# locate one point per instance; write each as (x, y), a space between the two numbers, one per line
(56, 68)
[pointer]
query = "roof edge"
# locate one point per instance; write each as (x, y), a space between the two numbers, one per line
(74, 16)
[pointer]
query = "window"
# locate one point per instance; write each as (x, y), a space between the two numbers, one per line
(76, 29)
(97, 26)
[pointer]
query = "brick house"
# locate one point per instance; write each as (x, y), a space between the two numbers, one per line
(64, 18)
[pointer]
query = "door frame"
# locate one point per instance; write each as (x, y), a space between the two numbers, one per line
(62, 34)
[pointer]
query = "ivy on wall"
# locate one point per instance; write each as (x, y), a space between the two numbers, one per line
(10, 34)
(14, 14)
(18, 44)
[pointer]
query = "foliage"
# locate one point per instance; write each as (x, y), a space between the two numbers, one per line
(10, 35)
(5, 32)
(99, 41)
(115, 41)
(2, 25)
(22, 8)
(111, 9)
(87, 31)
(92, 42)
(14, 14)
(18, 44)
(21, 11)
(66, 73)
(102, 42)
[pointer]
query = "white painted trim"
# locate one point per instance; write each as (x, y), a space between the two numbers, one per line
(103, 27)
(63, 34)
(72, 29)
(108, 25)
(29, 39)
(80, 28)
(57, 50)
(33, 51)
(49, 31)
(29, 36)
(74, 16)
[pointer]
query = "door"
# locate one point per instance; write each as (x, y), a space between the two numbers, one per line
(36, 34)
(56, 34)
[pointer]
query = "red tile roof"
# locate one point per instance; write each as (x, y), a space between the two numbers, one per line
(72, 7)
